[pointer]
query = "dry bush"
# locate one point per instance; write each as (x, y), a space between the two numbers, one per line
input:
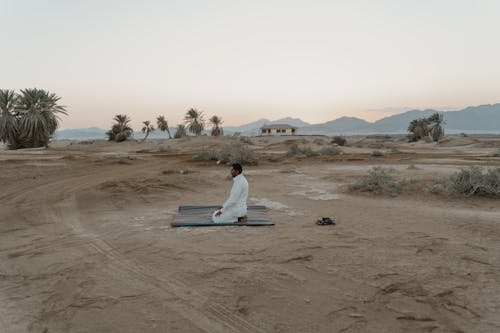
(330, 151)
(470, 182)
(237, 153)
(247, 140)
(318, 141)
(378, 181)
(395, 150)
(495, 154)
(231, 153)
(295, 150)
(377, 153)
(207, 155)
(339, 140)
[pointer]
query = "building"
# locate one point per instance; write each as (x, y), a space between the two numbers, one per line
(278, 129)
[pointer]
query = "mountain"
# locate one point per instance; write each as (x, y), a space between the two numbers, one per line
(473, 119)
(253, 127)
(81, 134)
(341, 125)
(99, 133)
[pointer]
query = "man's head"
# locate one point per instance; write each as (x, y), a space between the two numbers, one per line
(236, 170)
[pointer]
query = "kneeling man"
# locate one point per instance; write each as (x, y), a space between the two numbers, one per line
(235, 208)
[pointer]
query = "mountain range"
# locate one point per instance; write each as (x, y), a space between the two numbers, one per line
(473, 119)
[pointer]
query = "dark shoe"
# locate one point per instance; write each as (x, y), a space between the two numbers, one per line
(325, 221)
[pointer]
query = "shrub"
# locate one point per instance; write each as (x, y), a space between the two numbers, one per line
(206, 155)
(237, 153)
(246, 139)
(229, 154)
(495, 154)
(318, 141)
(378, 181)
(377, 153)
(295, 150)
(330, 151)
(339, 140)
(471, 181)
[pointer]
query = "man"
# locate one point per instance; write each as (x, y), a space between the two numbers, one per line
(235, 208)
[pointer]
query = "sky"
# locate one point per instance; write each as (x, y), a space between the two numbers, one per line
(245, 60)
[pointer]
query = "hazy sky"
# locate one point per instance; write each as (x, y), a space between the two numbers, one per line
(244, 60)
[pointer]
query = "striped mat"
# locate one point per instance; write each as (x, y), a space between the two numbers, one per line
(201, 216)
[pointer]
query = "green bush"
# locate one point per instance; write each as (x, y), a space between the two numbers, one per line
(378, 181)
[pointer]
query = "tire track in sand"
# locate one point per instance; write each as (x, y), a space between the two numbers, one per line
(192, 305)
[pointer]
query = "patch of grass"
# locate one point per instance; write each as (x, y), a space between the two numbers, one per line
(472, 181)
(378, 181)
(330, 151)
(339, 140)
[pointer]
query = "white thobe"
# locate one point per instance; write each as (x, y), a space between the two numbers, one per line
(236, 205)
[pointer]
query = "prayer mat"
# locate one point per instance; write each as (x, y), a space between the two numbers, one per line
(201, 216)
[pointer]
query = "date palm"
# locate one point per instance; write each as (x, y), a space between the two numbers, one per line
(147, 128)
(120, 130)
(195, 121)
(216, 122)
(38, 111)
(29, 119)
(180, 131)
(9, 123)
(163, 125)
(436, 129)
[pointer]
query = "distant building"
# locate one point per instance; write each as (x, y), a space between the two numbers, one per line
(278, 129)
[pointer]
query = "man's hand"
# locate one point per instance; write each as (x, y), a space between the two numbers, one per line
(218, 213)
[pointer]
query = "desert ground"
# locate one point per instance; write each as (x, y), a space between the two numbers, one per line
(86, 243)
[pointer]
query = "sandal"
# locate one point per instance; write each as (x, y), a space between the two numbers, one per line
(325, 221)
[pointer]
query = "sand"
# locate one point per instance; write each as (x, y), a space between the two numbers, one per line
(86, 246)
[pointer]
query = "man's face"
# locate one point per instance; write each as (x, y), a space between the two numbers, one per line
(234, 173)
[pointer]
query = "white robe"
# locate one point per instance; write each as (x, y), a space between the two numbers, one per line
(236, 205)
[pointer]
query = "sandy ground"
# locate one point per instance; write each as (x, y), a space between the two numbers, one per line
(86, 246)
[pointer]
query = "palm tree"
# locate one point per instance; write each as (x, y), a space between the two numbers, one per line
(163, 125)
(37, 111)
(436, 129)
(180, 132)
(216, 130)
(148, 128)
(418, 129)
(120, 131)
(9, 123)
(194, 121)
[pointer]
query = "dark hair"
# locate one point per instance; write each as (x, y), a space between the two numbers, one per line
(237, 167)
